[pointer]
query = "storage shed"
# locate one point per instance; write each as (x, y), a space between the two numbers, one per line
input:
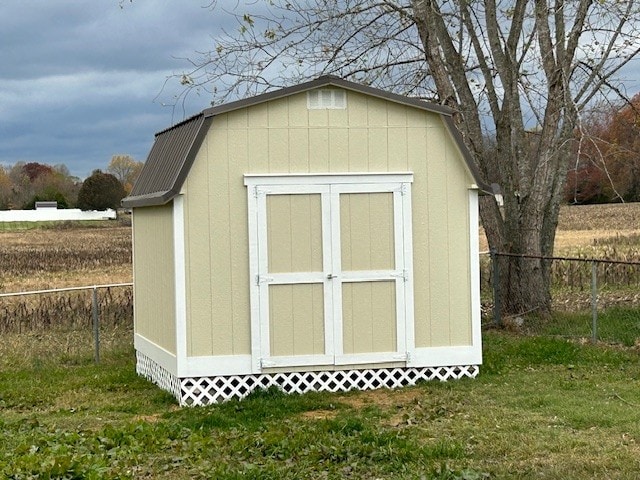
(318, 237)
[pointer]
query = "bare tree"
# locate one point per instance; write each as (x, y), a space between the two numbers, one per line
(125, 169)
(517, 72)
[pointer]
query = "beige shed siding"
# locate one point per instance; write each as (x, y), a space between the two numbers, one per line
(154, 300)
(294, 231)
(282, 136)
(368, 323)
(366, 231)
(369, 308)
(444, 279)
(217, 263)
(294, 239)
(296, 319)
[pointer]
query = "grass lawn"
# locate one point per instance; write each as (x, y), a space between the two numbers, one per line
(541, 408)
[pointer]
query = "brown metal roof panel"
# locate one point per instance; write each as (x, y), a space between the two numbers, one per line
(168, 163)
(149, 200)
(165, 159)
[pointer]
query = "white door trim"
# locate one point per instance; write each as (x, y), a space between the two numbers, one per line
(330, 187)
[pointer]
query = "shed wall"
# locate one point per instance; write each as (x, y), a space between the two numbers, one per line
(153, 269)
(283, 136)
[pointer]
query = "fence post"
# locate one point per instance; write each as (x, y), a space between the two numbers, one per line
(594, 302)
(96, 324)
(497, 307)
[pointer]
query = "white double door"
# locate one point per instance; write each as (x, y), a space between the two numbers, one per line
(332, 270)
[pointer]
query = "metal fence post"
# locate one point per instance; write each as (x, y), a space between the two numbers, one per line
(594, 302)
(96, 324)
(497, 307)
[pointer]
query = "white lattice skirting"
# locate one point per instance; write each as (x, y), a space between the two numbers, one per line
(150, 370)
(206, 390)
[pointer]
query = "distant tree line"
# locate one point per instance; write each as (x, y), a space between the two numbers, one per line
(25, 183)
(606, 167)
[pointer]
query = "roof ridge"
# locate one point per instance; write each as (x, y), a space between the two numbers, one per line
(180, 123)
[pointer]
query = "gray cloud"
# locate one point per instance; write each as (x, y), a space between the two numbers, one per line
(79, 80)
(83, 80)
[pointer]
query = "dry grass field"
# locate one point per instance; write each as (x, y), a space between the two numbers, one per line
(64, 256)
(72, 255)
(583, 228)
(60, 256)
(43, 258)
(67, 255)
(608, 233)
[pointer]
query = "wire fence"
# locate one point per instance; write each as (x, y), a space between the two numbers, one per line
(590, 298)
(68, 321)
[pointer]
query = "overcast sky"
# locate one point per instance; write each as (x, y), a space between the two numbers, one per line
(79, 79)
(83, 80)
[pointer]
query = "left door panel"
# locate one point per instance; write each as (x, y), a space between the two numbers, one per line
(292, 280)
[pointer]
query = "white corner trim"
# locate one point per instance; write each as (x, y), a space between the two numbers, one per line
(180, 280)
(447, 356)
(409, 300)
(254, 290)
(155, 352)
(474, 271)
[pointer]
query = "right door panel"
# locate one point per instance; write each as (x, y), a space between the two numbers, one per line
(372, 272)
(367, 245)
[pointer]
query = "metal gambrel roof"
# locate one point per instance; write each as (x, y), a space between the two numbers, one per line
(175, 148)
(168, 163)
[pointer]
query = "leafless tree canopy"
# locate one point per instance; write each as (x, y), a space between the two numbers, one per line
(272, 44)
(518, 73)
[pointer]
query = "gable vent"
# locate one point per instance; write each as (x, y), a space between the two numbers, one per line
(326, 98)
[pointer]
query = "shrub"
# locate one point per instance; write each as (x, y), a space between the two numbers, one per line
(100, 191)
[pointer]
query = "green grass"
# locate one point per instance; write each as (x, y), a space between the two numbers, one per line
(61, 224)
(615, 325)
(541, 408)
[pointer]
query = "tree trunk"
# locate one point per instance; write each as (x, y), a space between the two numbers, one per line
(524, 282)
(528, 160)
(525, 227)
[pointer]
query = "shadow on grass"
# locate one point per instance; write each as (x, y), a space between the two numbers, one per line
(503, 350)
(615, 325)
